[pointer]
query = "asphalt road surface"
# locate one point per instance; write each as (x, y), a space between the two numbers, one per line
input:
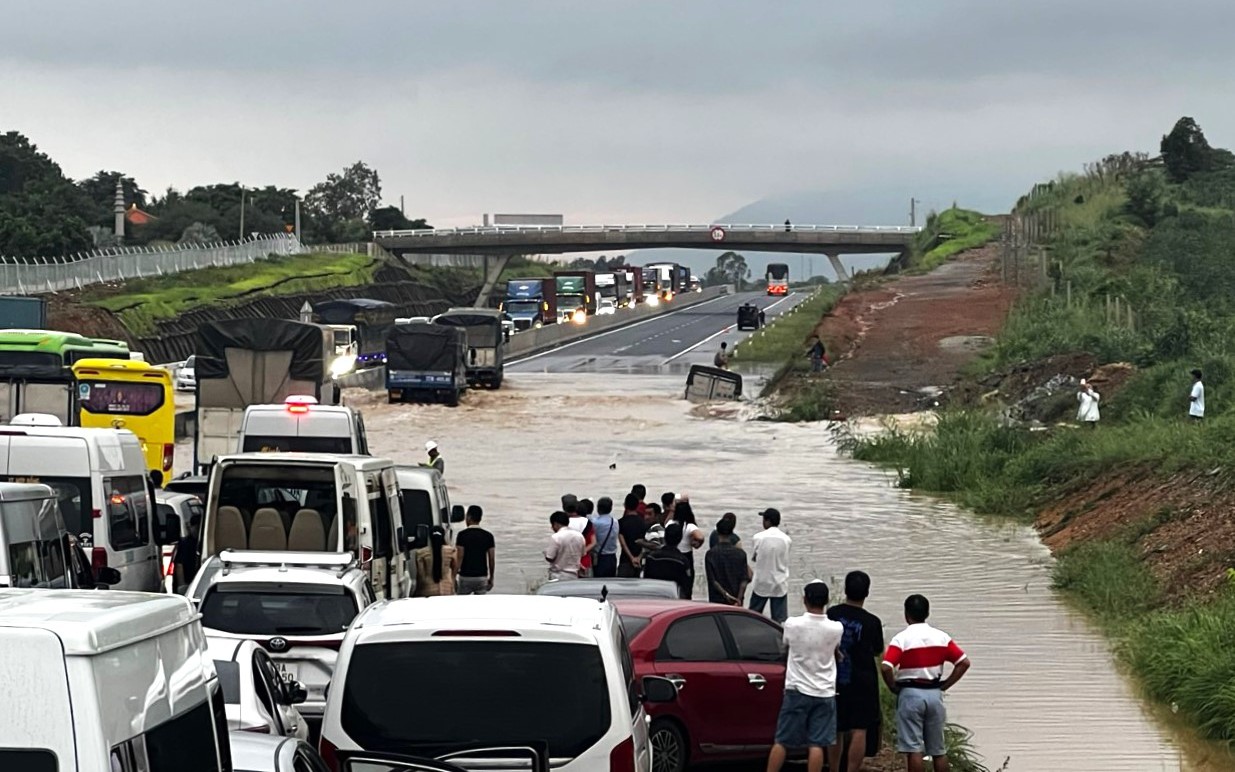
(663, 344)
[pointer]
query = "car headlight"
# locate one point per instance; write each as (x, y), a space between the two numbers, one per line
(342, 365)
(652, 300)
(579, 317)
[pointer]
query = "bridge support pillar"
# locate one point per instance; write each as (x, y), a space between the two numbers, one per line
(837, 266)
(494, 265)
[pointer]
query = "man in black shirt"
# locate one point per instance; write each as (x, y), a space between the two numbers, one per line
(857, 674)
(475, 548)
(669, 562)
(726, 567)
(631, 529)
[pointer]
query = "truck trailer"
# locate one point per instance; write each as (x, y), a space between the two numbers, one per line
(530, 302)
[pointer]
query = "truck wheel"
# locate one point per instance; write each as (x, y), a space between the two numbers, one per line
(453, 399)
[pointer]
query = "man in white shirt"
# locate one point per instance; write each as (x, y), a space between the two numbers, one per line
(770, 551)
(1196, 400)
(808, 711)
(565, 550)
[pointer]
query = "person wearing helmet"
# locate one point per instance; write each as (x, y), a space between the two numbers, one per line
(435, 458)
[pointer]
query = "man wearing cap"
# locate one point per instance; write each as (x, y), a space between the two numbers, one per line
(770, 551)
(808, 709)
(435, 458)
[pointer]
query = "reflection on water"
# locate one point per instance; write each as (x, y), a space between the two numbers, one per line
(1042, 690)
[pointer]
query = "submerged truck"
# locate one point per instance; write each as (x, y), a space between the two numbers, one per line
(530, 302)
(575, 290)
(485, 343)
(426, 360)
(243, 362)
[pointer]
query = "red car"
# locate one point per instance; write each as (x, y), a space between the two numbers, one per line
(729, 668)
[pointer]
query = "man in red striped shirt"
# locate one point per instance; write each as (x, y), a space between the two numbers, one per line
(913, 670)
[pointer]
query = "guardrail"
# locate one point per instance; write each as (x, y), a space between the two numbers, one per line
(497, 230)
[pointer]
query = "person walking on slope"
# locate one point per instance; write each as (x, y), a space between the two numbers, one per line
(770, 551)
(818, 356)
(913, 671)
(808, 710)
(1196, 399)
(435, 458)
(721, 359)
(1088, 410)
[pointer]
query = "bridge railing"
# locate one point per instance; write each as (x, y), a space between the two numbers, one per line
(498, 230)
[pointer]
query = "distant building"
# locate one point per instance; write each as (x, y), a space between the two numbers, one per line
(135, 216)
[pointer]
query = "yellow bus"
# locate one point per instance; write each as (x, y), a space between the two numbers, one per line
(127, 394)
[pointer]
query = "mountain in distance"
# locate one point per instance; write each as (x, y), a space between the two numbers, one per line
(816, 207)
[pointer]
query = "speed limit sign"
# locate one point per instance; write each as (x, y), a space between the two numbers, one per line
(718, 233)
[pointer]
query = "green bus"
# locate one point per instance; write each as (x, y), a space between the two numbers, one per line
(36, 374)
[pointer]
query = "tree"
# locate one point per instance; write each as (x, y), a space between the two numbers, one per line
(391, 218)
(1146, 193)
(1185, 150)
(351, 195)
(730, 268)
(42, 213)
(101, 190)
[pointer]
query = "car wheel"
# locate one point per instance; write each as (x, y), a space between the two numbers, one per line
(669, 753)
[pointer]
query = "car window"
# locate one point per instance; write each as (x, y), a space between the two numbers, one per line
(28, 760)
(267, 691)
(308, 609)
(693, 639)
(128, 515)
(634, 625)
(755, 639)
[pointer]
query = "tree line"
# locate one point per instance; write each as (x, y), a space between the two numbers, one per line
(45, 213)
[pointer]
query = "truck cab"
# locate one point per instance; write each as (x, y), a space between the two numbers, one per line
(312, 502)
(301, 425)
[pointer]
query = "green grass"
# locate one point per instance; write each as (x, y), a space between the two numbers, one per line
(787, 337)
(953, 231)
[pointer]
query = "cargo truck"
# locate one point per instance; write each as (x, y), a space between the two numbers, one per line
(426, 360)
(485, 343)
(575, 290)
(669, 283)
(634, 284)
(243, 362)
(528, 304)
(614, 286)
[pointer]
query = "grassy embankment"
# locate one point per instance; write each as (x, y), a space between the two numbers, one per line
(947, 234)
(143, 303)
(1164, 248)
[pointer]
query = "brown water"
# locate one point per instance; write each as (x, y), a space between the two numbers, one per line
(1042, 690)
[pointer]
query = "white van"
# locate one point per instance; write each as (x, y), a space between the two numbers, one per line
(107, 682)
(425, 501)
(493, 651)
(301, 425)
(35, 549)
(99, 476)
(312, 502)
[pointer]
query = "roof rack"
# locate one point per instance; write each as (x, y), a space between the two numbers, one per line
(340, 561)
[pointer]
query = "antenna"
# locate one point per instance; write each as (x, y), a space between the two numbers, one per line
(604, 593)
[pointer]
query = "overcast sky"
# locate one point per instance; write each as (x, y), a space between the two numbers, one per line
(649, 111)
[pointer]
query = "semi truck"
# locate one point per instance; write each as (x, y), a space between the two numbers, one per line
(615, 286)
(634, 283)
(528, 304)
(243, 362)
(669, 279)
(575, 290)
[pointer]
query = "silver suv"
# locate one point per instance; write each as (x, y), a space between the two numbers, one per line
(296, 605)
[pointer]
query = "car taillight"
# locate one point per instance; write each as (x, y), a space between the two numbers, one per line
(622, 758)
(169, 454)
(329, 754)
(96, 513)
(98, 558)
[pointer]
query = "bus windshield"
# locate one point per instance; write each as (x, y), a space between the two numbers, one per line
(120, 398)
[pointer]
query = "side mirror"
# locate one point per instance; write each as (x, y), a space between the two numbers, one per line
(294, 693)
(105, 577)
(457, 513)
(658, 690)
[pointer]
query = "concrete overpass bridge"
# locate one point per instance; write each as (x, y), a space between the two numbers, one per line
(501, 242)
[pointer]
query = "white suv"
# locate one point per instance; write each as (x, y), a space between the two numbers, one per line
(497, 682)
(296, 605)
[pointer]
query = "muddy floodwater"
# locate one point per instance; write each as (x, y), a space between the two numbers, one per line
(1042, 690)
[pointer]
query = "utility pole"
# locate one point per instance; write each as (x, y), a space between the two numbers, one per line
(242, 214)
(298, 220)
(402, 211)
(913, 211)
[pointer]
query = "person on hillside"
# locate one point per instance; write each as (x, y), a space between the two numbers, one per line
(632, 527)
(476, 550)
(1088, 411)
(857, 676)
(608, 544)
(1196, 399)
(808, 709)
(913, 671)
(818, 356)
(721, 359)
(566, 548)
(669, 563)
(770, 552)
(726, 568)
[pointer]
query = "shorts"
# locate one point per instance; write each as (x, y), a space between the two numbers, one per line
(920, 717)
(857, 706)
(806, 721)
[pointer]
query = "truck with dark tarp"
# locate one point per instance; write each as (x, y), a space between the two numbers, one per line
(530, 302)
(243, 362)
(426, 360)
(485, 343)
(371, 318)
(575, 290)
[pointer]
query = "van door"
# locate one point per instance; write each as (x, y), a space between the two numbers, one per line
(381, 535)
(126, 520)
(36, 721)
(401, 560)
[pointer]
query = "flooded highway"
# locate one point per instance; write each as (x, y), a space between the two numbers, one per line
(1042, 690)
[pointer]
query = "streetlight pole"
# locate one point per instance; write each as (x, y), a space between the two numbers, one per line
(913, 211)
(242, 214)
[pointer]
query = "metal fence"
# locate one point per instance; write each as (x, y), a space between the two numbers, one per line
(24, 276)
